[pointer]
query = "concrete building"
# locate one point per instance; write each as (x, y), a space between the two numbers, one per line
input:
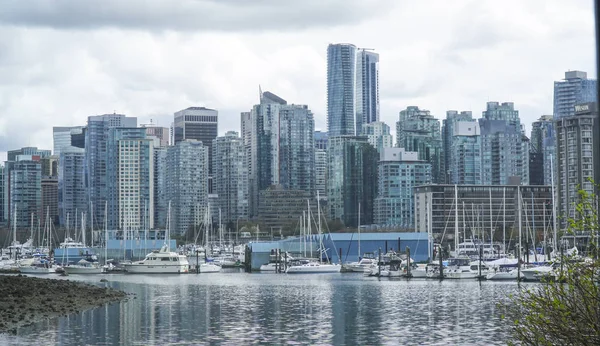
(161, 133)
(187, 183)
(367, 88)
(50, 200)
(351, 179)
(484, 211)
(231, 177)
(417, 130)
(577, 158)
(31, 151)
(71, 183)
(341, 89)
(96, 156)
(378, 134)
(62, 136)
(201, 124)
(50, 166)
(282, 147)
(575, 89)
(504, 149)
(280, 210)
(321, 173)
(399, 173)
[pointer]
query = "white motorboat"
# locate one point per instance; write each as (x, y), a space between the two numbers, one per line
(160, 262)
(209, 267)
(84, 267)
(535, 273)
(419, 271)
(314, 268)
(464, 268)
(37, 267)
(362, 265)
(503, 274)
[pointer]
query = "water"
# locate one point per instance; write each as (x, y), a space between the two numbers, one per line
(278, 309)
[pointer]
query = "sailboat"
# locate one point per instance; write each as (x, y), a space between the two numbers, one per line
(209, 266)
(39, 264)
(161, 262)
(314, 267)
(84, 266)
(363, 264)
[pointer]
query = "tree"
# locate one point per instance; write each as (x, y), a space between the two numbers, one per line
(565, 311)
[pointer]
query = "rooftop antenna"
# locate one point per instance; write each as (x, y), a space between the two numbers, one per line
(260, 93)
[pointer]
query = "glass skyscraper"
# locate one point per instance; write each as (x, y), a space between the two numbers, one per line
(71, 184)
(378, 134)
(231, 177)
(341, 89)
(542, 149)
(462, 148)
(367, 88)
(574, 89)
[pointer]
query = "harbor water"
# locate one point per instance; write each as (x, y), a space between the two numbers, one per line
(278, 309)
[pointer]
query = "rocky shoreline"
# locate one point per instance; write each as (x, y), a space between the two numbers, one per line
(26, 300)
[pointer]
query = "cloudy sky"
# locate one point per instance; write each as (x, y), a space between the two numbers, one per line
(61, 61)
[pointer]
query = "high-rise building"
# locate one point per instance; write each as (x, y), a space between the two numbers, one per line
(32, 151)
(577, 158)
(62, 136)
(50, 166)
(161, 133)
(464, 165)
(96, 156)
(378, 134)
(187, 183)
(71, 184)
(399, 173)
(281, 209)
(282, 147)
(541, 150)
(3, 194)
(231, 177)
(417, 130)
(504, 149)
(447, 135)
(201, 124)
(367, 88)
(321, 172)
(50, 200)
(576, 88)
(341, 89)
(130, 179)
(321, 140)
(351, 179)
(25, 190)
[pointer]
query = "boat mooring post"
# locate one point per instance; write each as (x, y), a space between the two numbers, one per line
(274, 252)
(441, 263)
(340, 256)
(285, 261)
(519, 265)
(408, 274)
(386, 247)
(379, 264)
(197, 262)
(480, 259)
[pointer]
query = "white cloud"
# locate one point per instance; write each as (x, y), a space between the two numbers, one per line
(63, 61)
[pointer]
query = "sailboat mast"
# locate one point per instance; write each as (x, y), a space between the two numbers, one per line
(491, 225)
(456, 219)
(555, 237)
(359, 230)
(519, 218)
(504, 219)
(319, 228)
(309, 227)
(15, 227)
(544, 227)
(105, 233)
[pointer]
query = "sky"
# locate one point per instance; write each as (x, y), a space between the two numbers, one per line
(62, 61)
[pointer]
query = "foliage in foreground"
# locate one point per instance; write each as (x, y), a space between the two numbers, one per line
(566, 311)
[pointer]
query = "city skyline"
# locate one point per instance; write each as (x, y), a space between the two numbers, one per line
(438, 67)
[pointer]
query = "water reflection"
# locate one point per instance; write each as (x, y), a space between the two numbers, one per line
(339, 309)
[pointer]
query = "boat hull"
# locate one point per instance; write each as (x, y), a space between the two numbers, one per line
(206, 268)
(36, 270)
(511, 275)
(136, 268)
(314, 269)
(83, 270)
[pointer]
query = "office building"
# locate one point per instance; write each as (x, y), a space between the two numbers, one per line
(418, 131)
(378, 134)
(50, 166)
(542, 151)
(341, 89)
(367, 88)
(161, 203)
(71, 184)
(504, 149)
(50, 200)
(201, 124)
(3, 195)
(399, 172)
(280, 210)
(484, 211)
(231, 177)
(62, 136)
(31, 151)
(351, 179)
(575, 89)
(321, 173)
(161, 133)
(24, 190)
(321, 140)
(96, 156)
(447, 135)
(577, 158)
(464, 165)
(187, 183)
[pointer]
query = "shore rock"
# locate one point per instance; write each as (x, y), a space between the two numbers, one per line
(25, 300)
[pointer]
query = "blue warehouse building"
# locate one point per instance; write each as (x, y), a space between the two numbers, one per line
(347, 242)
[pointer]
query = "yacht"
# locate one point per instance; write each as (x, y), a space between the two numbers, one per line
(361, 266)
(84, 267)
(536, 272)
(464, 268)
(313, 267)
(209, 267)
(160, 262)
(71, 251)
(37, 266)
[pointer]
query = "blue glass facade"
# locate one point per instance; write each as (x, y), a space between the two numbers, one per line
(341, 89)
(574, 89)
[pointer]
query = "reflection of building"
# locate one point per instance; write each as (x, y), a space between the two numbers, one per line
(417, 130)
(577, 158)
(574, 89)
(504, 149)
(399, 173)
(351, 179)
(341, 89)
(435, 210)
(280, 210)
